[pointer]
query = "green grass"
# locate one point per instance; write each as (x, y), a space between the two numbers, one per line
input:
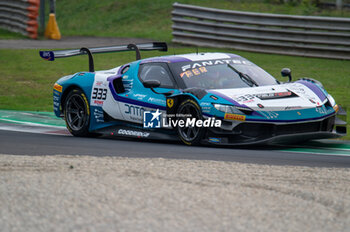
(152, 19)
(27, 80)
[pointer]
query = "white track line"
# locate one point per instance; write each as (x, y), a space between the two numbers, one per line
(318, 153)
(31, 123)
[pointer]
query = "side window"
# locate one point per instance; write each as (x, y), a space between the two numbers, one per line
(156, 71)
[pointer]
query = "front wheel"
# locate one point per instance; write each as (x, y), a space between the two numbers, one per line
(77, 113)
(191, 134)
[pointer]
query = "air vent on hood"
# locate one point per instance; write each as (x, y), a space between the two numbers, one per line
(278, 95)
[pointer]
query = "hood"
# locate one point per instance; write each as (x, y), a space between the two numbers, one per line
(289, 96)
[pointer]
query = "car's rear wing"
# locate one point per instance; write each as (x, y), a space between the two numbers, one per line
(51, 55)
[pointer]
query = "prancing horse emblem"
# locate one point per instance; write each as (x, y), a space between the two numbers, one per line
(170, 102)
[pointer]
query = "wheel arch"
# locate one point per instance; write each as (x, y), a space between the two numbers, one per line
(65, 94)
(173, 102)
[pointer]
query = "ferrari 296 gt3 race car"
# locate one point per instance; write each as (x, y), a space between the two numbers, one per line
(216, 98)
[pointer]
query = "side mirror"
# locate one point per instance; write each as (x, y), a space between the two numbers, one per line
(154, 84)
(287, 73)
(151, 84)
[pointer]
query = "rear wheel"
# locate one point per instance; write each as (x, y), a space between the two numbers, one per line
(77, 113)
(190, 135)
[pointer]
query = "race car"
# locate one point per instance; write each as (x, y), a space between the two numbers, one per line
(199, 98)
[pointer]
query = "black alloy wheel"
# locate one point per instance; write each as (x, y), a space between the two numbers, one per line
(190, 135)
(77, 113)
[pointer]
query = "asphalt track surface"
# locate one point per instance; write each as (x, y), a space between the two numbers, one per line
(23, 143)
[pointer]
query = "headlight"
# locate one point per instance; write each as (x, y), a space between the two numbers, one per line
(336, 108)
(227, 109)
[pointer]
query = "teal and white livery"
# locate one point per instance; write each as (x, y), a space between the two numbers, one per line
(215, 98)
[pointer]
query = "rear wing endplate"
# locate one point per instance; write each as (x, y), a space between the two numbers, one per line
(52, 55)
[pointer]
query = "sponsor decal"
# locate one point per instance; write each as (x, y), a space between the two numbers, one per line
(213, 62)
(57, 87)
(100, 83)
(98, 115)
(133, 133)
(214, 140)
(324, 110)
(263, 96)
(56, 99)
(86, 102)
(206, 107)
(297, 88)
(248, 101)
(236, 117)
(128, 84)
(244, 98)
(193, 72)
(205, 104)
(140, 96)
(98, 103)
(266, 96)
(170, 102)
(134, 110)
(56, 104)
(156, 100)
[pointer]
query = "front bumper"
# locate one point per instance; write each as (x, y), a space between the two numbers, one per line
(247, 133)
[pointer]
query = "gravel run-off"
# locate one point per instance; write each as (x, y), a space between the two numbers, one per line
(86, 193)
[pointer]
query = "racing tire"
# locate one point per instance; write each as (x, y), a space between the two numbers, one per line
(191, 135)
(77, 113)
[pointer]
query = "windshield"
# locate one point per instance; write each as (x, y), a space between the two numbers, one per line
(221, 74)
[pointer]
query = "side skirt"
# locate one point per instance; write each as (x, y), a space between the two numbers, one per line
(136, 131)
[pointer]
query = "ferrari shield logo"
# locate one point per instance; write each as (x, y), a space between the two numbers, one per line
(170, 102)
